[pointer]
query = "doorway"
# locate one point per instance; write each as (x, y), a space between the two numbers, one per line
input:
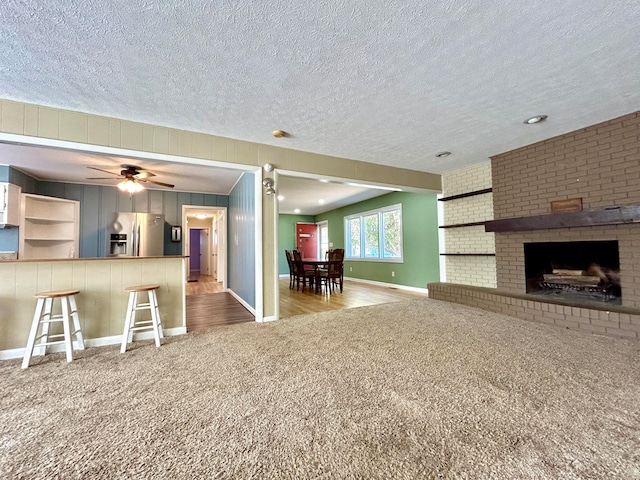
(200, 260)
(205, 246)
(307, 239)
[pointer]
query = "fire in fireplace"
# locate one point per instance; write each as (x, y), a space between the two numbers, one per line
(578, 270)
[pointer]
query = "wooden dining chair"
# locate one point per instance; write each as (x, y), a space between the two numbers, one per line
(331, 276)
(292, 276)
(301, 273)
(337, 254)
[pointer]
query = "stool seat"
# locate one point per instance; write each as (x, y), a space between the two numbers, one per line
(131, 324)
(141, 288)
(43, 317)
(56, 294)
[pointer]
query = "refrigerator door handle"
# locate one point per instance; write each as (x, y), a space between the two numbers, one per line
(137, 239)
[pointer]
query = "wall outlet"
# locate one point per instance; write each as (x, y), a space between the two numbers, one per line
(351, 269)
(393, 274)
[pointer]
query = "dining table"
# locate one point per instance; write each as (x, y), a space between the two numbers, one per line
(316, 263)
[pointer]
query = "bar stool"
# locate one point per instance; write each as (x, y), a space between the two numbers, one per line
(130, 323)
(44, 317)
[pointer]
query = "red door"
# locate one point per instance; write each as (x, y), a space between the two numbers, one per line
(307, 239)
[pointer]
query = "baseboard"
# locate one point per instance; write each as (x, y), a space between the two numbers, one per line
(390, 285)
(380, 284)
(244, 304)
(93, 342)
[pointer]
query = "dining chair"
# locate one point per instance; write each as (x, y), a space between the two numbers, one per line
(331, 276)
(292, 276)
(338, 255)
(301, 273)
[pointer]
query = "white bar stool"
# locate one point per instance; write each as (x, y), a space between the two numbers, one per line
(130, 323)
(44, 317)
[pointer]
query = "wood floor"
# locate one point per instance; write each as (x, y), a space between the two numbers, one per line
(209, 307)
(355, 294)
(198, 284)
(208, 310)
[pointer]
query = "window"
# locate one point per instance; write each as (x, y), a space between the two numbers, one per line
(375, 235)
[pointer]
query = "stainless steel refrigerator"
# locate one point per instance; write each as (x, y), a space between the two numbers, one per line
(135, 235)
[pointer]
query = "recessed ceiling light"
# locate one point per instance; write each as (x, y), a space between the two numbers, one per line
(297, 210)
(443, 154)
(280, 197)
(201, 216)
(321, 201)
(324, 180)
(536, 119)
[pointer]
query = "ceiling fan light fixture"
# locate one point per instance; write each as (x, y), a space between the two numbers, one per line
(130, 186)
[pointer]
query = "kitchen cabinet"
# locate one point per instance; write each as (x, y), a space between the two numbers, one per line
(9, 204)
(49, 227)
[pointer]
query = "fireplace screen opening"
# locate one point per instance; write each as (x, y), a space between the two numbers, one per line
(576, 270)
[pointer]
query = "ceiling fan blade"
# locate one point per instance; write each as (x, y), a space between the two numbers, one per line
(101, 178)
(105, 171)
(155, 183)
(144, 174)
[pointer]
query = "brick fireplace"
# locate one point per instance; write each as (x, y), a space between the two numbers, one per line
(600, 165)
(580, 271)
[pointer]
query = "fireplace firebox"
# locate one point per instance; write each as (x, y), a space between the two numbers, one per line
(584, 270)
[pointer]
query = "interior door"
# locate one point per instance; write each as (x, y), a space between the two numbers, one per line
(307, 239)
(194, 250)
(214, 250)
(221, 276)
(204, 251)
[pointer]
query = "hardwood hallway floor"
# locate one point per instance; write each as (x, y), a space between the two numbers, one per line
(209, 307)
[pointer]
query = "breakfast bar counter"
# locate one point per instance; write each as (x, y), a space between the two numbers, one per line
(102, 301)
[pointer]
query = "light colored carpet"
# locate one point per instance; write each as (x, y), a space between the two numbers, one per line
(415, 389)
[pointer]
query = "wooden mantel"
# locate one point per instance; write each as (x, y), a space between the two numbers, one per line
(615, 215)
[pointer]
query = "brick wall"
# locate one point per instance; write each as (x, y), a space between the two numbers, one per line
(468, 270)
(601, 165)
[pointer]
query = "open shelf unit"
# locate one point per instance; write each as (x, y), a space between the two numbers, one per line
(49, 227)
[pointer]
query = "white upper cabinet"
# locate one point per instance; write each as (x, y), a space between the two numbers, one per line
(9, 204)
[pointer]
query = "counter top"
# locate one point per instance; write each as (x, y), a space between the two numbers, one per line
(84, 259)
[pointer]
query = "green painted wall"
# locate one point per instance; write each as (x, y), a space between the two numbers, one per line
(420, 240)
(287, 237)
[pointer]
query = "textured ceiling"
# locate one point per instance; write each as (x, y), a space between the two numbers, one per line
(390, 82)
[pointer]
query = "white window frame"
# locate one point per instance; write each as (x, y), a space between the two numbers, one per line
(324, 223)
(361, 216)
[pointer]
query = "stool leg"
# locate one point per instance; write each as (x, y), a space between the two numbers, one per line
(155, 316)
(66, 321)
(28, 351)
(76, 323)
(45, 319)
(127, 322)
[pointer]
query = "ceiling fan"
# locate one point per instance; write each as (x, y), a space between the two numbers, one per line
(132, 178)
